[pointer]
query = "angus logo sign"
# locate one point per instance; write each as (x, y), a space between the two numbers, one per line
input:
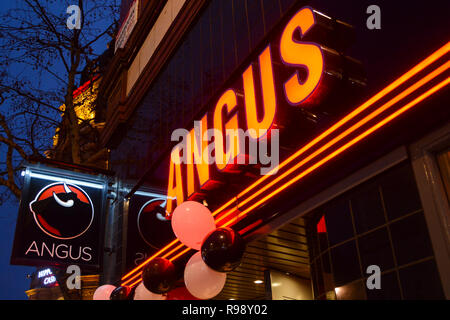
(148, 229)
(62, 211)
(60, 218)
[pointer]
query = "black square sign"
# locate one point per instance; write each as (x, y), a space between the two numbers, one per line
(60, 219)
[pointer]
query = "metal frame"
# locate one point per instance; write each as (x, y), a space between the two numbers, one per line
(391, 159)
(433, 196)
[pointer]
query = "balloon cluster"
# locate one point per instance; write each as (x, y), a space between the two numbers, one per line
(220, 250)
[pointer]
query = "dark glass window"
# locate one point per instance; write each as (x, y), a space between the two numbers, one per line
(400, 247)
(217, 44)
(179, 86)
(197, 64)
(255, 21)
(229, 49)
(272, 13)
(421, 281)
(389, 288)
(400, 192)
(207, 68)
(375, 249)
(367, 208)
(188, 87)
(339, 221)
(286, 4)
(241, 27)
(345, 263)
(410, 239)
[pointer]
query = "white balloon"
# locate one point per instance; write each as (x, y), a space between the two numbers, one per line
(202, 281)
(103, 292)
(142, 293)
(191, 223)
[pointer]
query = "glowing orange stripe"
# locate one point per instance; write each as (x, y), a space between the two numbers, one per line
(136, 275)
(172, 251)
(340, 123)
(180, 254)
(140, 272)
(346, 146)
(359, 124)
(149, 259)
(422, 65)
(135, 283)
(234, 199)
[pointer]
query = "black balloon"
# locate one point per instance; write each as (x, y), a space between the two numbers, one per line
(121, 293)
(159, 275)
(222, 249)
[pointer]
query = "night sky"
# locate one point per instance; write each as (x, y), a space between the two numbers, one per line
(13, 281)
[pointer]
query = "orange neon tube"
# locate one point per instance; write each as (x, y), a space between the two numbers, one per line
(419, 67)
(422, 65)
(133, 278)
(164, 256)
(234, 199)
(381, 109)
(172, 251)
(137, 274)
(346, 146)
(180, 254)
(149, 259)
(134, 283)
(436, 55)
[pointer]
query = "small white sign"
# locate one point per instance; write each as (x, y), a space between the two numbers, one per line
(127, 26)
(44, 273)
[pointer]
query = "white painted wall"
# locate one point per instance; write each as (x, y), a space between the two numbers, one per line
(154, 38)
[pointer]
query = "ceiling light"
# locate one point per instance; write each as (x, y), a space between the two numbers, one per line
(258, 281)
(276, 284)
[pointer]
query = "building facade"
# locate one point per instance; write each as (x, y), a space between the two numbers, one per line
(384, 202)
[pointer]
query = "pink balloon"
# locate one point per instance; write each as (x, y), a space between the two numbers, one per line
(103, 292)
(191, 223)
(142, 293)
(202, 281)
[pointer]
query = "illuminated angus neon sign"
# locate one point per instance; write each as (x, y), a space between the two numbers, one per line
(254, 113)
(252, 104)
(362, 120)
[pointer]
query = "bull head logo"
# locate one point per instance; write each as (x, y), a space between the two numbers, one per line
(152, 224)
(62, 211)
(67, 204)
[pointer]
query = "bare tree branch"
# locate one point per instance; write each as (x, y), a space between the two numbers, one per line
(42, 63)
